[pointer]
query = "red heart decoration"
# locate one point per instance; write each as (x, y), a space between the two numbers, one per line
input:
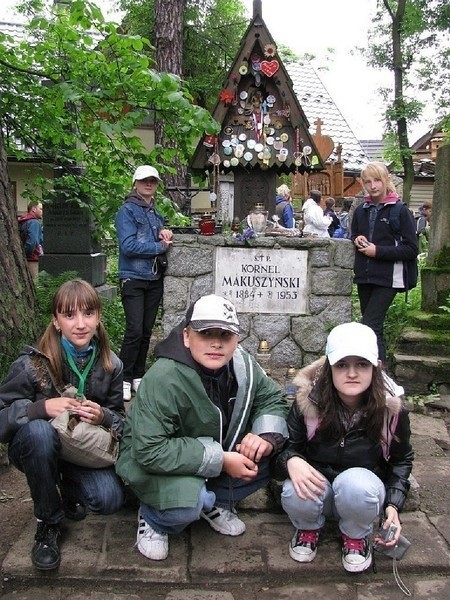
(270, 67)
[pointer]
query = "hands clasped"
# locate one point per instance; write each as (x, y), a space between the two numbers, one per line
(87, 411)
(242, 463)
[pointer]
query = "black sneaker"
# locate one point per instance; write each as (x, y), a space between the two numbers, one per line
(45, 554)
(74, 510)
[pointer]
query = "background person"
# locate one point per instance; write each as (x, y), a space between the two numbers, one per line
(379, 267)
(349, 455)
(329, 212)
(316, 223)
(283, 207)
(31, 234)
(29, 400)
(142, 236)
(201, 429)
(428, 213)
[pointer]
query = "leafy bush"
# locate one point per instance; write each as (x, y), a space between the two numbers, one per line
(46, 287)
(398, 316)
(113, 317)
(446, 306)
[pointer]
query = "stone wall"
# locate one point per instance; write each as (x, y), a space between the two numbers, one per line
(294, 339)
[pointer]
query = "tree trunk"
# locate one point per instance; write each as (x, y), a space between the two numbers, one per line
(18, 323)
(169, 59)
(402, 129)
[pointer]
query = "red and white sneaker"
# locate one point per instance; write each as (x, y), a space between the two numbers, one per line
(303, 546)
(356, 554)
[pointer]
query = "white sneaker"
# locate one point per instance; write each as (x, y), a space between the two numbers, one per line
(356, 554)
(152, 545)
(224, 521)
(126, 391)
(303, 546)
(135, 384)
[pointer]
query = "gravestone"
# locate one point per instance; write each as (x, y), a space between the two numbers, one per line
(69, 243)
(259, 280)
(436, 275)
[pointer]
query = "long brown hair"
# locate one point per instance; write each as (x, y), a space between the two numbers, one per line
(329, 403)
(73, 295)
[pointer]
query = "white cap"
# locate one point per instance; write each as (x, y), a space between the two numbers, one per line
(145, 171)
(352, 339)
(211, 312)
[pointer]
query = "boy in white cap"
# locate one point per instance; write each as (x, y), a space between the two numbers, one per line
(349, 455)
(201, 430)
(142, 237)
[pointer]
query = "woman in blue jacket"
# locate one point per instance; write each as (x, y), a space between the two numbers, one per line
(383, 246)
(142, 237)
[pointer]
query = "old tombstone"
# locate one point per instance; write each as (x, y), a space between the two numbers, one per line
(69, 242)
(259, 280)
(436, 274)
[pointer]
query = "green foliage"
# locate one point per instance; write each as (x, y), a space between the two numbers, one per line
(399, 316)
(211, 36)
(112, 314)
(91, 86)
(411, 39)
(46, 287)
(446, 306)
(170, 211)
(113, 319)
(400, 313)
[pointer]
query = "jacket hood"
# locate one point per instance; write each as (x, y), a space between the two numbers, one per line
(27, 217)
(134, 198)
(305, 381)
(391, 198)
(279, 199)
(173, 347)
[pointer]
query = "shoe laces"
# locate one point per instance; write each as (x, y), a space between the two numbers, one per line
(47, 534)
(147, 531)
(230, 515)
(353, 545)
(307, 537)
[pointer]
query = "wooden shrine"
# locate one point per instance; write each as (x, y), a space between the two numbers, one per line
(264, 131)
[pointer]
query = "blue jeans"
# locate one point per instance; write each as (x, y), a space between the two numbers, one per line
(375, 301)
(34, 450)
(223, 491)
(355, 499)
(140, 300)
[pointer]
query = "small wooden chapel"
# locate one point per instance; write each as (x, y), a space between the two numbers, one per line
(265, 133)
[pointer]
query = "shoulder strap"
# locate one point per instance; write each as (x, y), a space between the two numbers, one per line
(394, 218)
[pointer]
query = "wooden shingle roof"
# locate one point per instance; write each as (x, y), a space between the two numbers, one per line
(317, 103)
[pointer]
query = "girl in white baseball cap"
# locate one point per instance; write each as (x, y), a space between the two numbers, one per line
(349, 455)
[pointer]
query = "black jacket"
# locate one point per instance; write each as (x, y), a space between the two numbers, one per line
(354, 450)
(387, 267)
(28, 385)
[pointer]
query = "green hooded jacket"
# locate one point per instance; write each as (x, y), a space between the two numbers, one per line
(172, 437)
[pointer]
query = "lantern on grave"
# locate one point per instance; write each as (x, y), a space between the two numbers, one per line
(257, 218)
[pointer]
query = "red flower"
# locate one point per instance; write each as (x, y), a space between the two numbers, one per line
(226, 96)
